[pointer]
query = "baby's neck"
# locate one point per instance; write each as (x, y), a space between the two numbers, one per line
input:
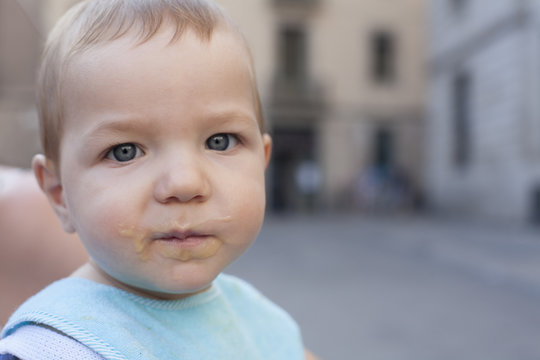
(91, 271)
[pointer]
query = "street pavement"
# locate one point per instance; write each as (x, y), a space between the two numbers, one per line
(401, 288)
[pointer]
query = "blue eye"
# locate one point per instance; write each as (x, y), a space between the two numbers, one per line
(221, 142)
(124, 152)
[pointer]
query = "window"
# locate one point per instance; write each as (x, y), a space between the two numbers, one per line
(383, 57)
(296, 2)
(535, 205)
(383, 149)
(293, 52)
(461, 93)
(458, 5)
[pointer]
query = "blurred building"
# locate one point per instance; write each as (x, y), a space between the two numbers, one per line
(343, 84)
(484, 128)
(23, 27)
(19, 54)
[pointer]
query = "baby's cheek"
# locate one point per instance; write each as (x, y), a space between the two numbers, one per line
(102, 228)
(251, 207)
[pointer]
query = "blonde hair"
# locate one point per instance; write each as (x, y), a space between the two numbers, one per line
(92, 22)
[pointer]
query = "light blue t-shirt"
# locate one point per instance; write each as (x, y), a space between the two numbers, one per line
(231, 320)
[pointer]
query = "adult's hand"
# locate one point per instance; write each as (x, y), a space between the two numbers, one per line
(34, 250)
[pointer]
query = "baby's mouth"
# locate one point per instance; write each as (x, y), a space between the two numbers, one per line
(182, 241)
(177, 235)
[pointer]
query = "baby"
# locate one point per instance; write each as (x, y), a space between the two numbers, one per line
(155, 154)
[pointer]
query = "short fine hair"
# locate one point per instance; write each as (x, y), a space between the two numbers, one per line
(93, 22)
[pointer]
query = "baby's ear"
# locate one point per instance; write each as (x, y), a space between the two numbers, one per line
(50, 183)
(267, 143)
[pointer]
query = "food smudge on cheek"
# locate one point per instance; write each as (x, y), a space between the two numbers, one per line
(138, 238)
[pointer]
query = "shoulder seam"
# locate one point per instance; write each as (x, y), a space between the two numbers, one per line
(69, 329)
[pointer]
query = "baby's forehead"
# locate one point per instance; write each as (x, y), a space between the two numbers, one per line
(160, 43)
(128, 76)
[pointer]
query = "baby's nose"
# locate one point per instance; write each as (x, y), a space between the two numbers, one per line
(182, 180)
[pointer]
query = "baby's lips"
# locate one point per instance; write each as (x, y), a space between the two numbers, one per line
(176, 234)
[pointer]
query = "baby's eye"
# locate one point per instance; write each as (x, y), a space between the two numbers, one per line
(221, 142)
(124, 152)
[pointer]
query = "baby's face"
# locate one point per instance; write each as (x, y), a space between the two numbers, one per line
(162, 159)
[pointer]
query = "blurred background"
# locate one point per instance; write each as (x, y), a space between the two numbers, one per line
(404, 189)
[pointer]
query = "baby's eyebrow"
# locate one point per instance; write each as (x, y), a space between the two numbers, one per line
(234, 116)
(118, 125)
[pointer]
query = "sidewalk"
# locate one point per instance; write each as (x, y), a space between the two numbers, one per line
(508, 254)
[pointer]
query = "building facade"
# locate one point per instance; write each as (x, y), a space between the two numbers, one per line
(23, 28)
(484, 127)
(343, 83)
(19, 53)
